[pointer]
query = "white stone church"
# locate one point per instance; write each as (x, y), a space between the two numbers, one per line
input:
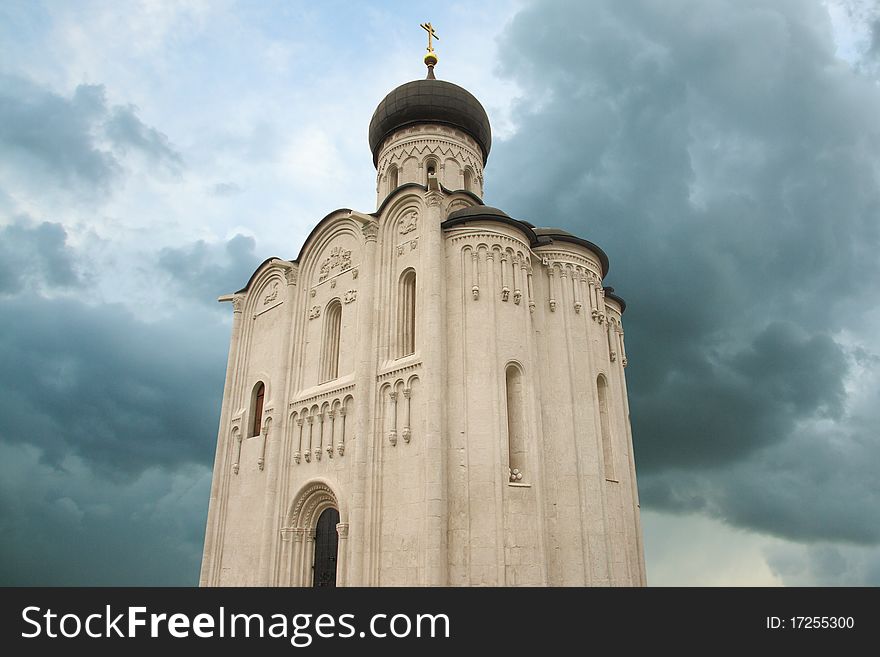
(431, 394)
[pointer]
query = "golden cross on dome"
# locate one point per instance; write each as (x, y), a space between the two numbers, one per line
(431, 33)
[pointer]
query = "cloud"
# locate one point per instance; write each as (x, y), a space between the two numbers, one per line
(224, 189)
(727, 162)
(121, 394)
(35, 256)
(77, 142)
(126, 131)
(204, 271)
(63, 525)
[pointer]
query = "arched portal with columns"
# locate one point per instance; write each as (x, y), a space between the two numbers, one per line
(298, 565)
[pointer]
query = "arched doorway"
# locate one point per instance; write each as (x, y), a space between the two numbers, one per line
(326, 548)
(313, 540)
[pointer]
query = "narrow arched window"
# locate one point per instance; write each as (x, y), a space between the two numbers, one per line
(257, 423)
(516, 426)
(330, 351)
(392, 178)
(406, 314)
(430, 168)
(468, 180)
(607, 451)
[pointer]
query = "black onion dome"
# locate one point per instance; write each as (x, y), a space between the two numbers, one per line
(430, 101)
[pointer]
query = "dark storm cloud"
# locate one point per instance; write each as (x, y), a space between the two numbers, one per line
(35, 255)
(65, 526)
(78, 142)
(95, 382)
(204, 271)
(727, 162)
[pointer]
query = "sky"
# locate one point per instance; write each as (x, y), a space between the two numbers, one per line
(724, 153)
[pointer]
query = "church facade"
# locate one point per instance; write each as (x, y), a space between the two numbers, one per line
(431, 394)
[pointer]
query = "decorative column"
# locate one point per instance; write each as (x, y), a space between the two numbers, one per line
(308, 558)
(295, 565)
(298, 453)
(365, 388)
(475, 273)
(307, 455)
(530, 286)
(236, 436)
(611, 334)
(551, 272)
(210, 575)
(594, 309)
(505, 288)
(320, 435)
(340, 446)
(332, 414)
(286, 556)
(261, 462)
(342, 554)
(392, 435)
(407, 434)
(518, 270)
(433, 348)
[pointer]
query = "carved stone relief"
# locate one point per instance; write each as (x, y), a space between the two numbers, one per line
(409, 222)
(339, 258)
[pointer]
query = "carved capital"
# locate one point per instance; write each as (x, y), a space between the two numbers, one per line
(237, 303)
(407, 434)
(407, 392)
(517, 297)
(475, 291)
(342, 530)
(552, 305)
(505, 293)
(577, 307)
(329, 451)
(290, 275)
(340, 449)
(392, 438)
(370, 231)
(296, 457)
(317, 453)
(307, 455)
